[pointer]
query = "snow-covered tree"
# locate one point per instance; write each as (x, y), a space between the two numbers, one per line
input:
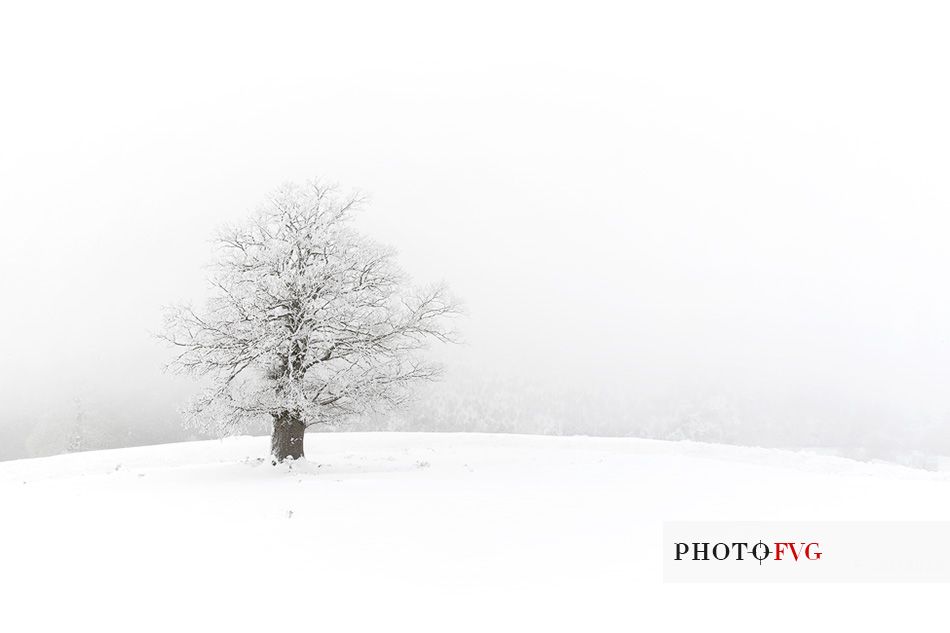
(309, 322)
(77, 434)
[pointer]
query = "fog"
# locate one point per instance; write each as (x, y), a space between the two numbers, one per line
(673, 219)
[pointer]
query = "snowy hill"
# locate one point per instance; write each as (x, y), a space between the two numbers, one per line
(433, 532)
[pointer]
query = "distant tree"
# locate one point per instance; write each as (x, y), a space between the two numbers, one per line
(77, 434)
(309, 323)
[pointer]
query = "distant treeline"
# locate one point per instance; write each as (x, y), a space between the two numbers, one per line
(861, 430)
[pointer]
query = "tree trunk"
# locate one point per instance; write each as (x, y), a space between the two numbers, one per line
(286, 442)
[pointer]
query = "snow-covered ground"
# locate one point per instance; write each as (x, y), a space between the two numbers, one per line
(429, 532)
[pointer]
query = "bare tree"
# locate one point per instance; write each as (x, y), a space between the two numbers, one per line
(309, 323)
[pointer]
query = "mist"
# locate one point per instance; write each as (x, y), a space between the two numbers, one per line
(717, 223)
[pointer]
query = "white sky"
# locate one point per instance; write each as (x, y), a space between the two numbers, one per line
(663, 195)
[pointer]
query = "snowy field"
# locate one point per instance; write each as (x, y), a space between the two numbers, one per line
(429, 532)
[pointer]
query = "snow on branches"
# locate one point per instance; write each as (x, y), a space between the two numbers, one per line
(308, 320)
